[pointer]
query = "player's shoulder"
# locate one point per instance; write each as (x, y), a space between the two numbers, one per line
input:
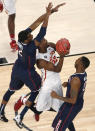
(50, 49)
(52, 45)
(75, 77)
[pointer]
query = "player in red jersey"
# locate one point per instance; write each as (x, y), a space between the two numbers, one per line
(9, 6)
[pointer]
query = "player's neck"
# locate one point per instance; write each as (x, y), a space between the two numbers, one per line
(42, 50)
(79, 70)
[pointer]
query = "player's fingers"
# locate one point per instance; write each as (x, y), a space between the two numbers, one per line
(50, 5)
(61, 4)
(67, 52)
(64, 84)
(53, 93)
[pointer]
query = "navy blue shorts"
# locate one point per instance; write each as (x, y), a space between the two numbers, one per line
(65, 116)
(21, 76)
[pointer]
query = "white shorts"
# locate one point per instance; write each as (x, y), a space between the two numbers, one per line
(9, 6)
(45, 101)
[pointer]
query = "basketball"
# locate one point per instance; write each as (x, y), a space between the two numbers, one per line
(1, 7)
(62, 45)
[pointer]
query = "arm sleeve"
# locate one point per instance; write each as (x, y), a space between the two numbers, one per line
(41, 34)
(29, 30)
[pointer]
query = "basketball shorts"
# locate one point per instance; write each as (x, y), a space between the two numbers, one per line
(20, 76)
(9, 6)
(45, 101)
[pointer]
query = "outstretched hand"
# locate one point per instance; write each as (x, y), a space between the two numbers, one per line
(54, 94)
(57, 7)
(49, 8)
(65, 84)
(62, 54)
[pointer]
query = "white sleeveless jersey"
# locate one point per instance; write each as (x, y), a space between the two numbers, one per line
(50, 82)
(51, 57)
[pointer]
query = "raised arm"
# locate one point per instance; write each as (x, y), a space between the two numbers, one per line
(37, 22)
(42, 17)
(42, 32)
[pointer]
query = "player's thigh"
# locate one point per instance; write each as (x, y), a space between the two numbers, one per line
(43, 97)
(44, 100)
(32, 80)
(9, 6)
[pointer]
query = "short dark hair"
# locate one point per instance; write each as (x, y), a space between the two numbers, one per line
(22, 36)
(85, 61)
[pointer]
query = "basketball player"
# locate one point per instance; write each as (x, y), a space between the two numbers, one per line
(23, 70)
(50, 68)
(73, 102)
(10, 9)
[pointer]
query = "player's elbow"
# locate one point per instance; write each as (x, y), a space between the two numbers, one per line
(73, 101)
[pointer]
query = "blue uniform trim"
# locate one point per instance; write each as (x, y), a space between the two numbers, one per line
(41, 34)
(29, 30)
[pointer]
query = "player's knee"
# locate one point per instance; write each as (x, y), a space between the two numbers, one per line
(12, 17)
(8, 94)
(28, 103)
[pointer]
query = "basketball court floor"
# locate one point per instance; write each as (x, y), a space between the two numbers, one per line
(75, 21)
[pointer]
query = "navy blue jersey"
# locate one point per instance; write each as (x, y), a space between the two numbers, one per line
(27, 52)
(83, 79)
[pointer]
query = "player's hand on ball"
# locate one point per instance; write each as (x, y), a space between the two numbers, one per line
(66, 52)
(62, 54)
(54, 94)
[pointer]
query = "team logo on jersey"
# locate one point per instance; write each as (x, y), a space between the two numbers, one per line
(45, 56)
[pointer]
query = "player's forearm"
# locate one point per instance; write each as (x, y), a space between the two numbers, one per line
(42, 32)
(37, 22)
(45, 22)
(59, 65)
(40, 35)
(65, 99)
